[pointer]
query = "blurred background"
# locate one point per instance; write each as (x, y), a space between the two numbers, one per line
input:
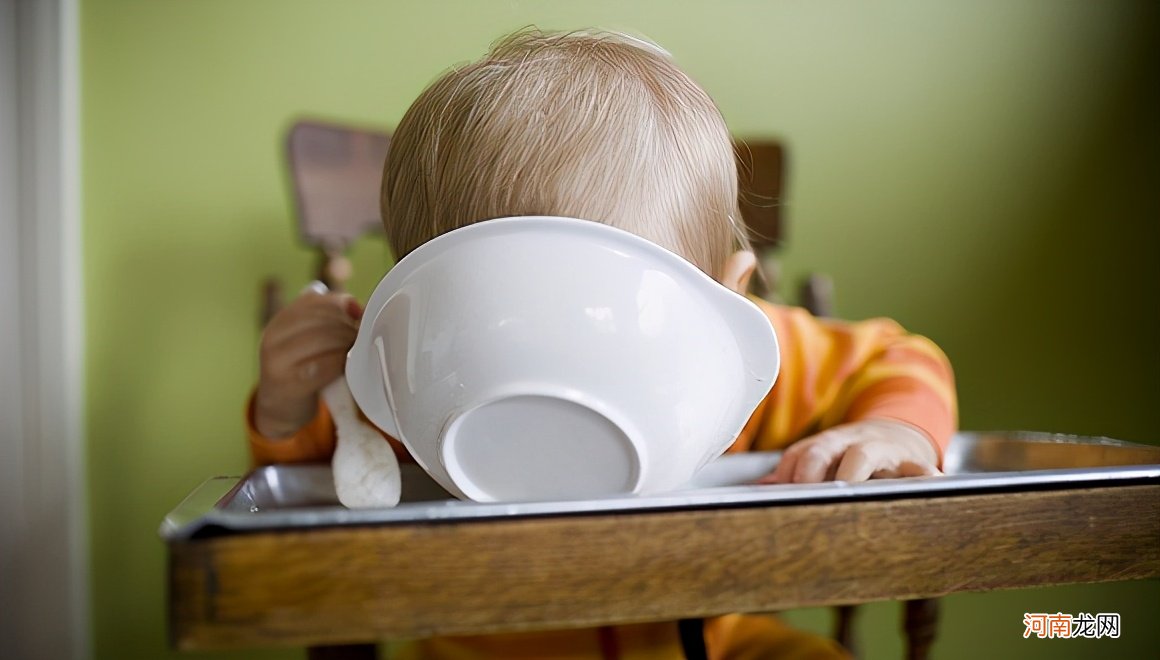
(984, 172)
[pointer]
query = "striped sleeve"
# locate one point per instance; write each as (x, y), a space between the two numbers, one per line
(835, 372)
(312, 443)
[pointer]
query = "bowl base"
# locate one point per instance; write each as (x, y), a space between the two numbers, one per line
(537, 447)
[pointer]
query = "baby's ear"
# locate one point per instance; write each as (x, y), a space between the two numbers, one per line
(739, 268)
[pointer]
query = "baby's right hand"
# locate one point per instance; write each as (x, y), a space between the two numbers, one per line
(303, 349)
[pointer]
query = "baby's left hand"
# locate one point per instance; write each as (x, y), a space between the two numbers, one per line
(857, 452)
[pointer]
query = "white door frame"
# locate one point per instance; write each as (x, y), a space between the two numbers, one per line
(44, 558)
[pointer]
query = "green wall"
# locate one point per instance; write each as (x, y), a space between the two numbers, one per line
(981, 171)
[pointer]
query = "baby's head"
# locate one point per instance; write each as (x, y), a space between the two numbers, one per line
(590, 125)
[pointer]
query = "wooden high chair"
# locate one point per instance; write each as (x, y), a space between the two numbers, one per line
(338, 588)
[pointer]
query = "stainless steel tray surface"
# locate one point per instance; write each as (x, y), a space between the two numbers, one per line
(303, 496)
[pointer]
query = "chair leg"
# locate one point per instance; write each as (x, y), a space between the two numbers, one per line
(692, 633)
(844, 616)
(921, 627)
(343, 652)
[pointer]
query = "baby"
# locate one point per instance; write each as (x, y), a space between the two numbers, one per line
(606, 128)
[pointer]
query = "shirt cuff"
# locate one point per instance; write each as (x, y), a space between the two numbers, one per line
(313, 443)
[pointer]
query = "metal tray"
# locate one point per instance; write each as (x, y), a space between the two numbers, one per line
(302, 496)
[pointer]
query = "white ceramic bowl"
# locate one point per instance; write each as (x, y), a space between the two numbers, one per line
(543, 358)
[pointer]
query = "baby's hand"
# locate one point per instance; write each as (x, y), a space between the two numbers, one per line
(857, 452)
(303, 350)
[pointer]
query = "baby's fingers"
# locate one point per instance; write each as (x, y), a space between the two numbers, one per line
(318, 370)
(784, 470)
(817, 456)
(317, 333)
(879, 460)
(859, 463)
(815, 462)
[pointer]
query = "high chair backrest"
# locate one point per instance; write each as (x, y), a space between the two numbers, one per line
(761, 168)
(334, 171)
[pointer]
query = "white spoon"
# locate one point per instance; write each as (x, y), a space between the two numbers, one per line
(366, 472)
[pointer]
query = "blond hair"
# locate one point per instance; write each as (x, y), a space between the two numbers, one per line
(592, 125)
